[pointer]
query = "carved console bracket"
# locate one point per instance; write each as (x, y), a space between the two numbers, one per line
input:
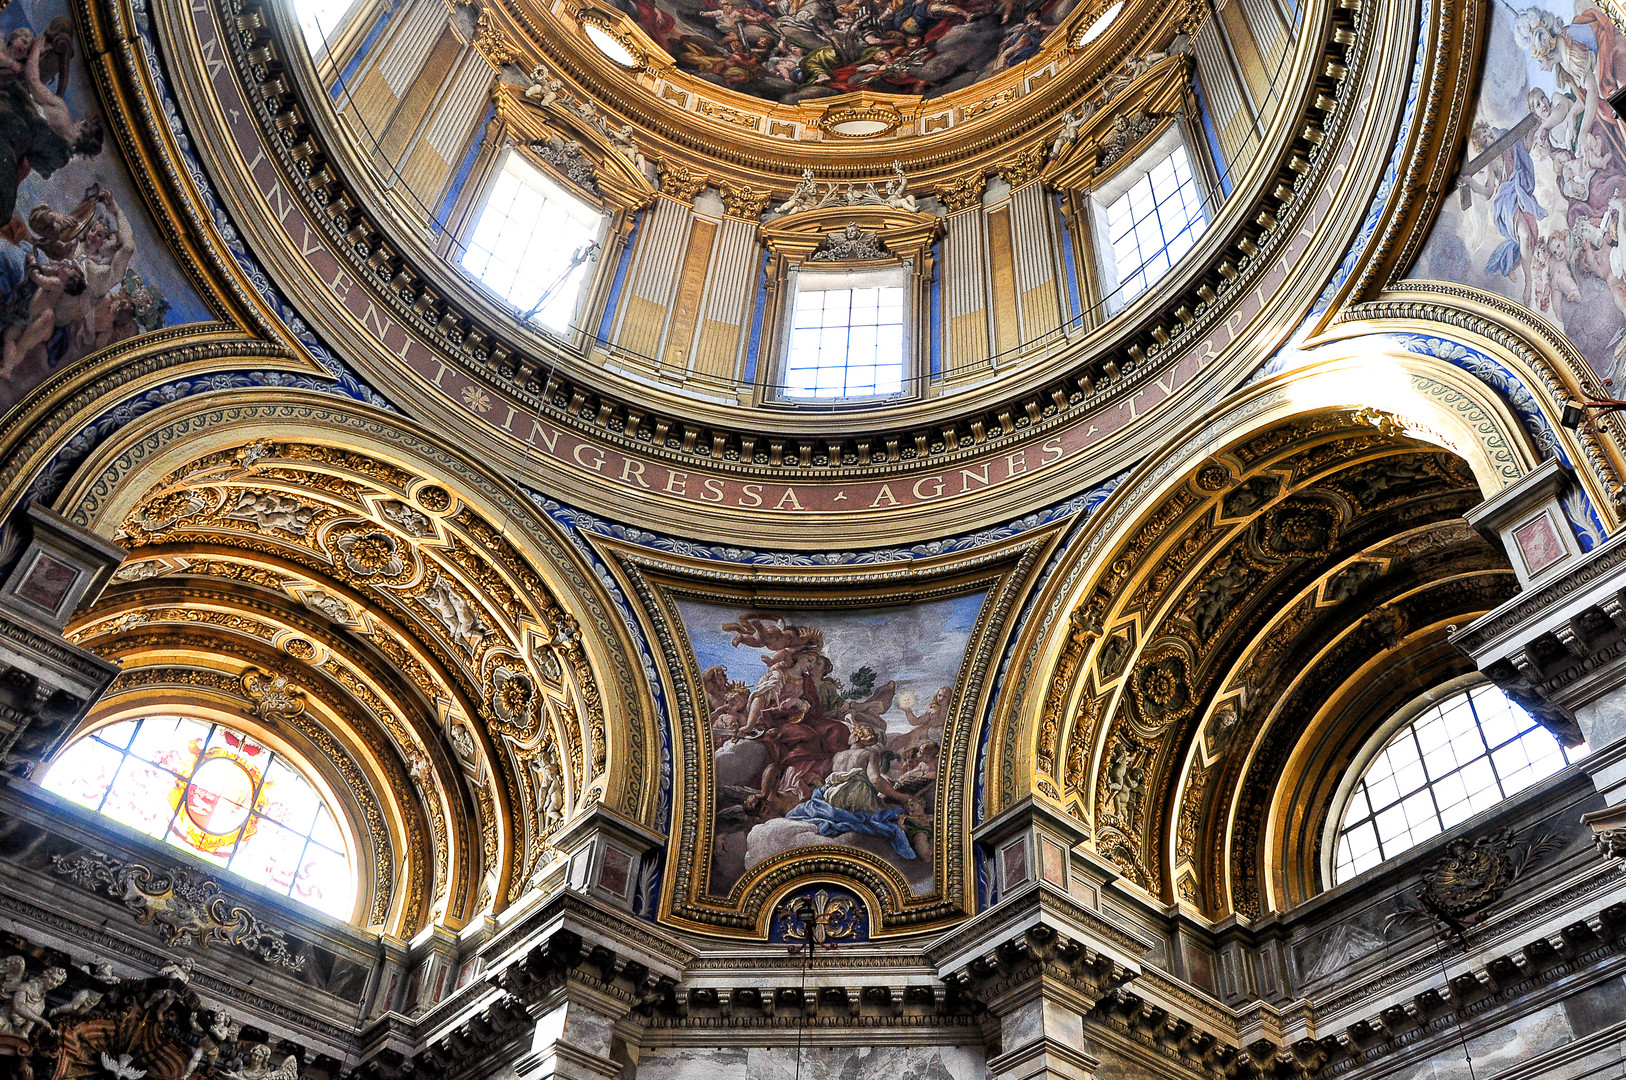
(1559, 644)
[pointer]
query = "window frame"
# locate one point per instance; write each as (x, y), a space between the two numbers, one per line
(900, 274)
(356, 854)
(1356, 769)
(1118, 182)
(461, 241)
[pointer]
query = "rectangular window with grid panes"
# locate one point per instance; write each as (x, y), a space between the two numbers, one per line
(848, 337)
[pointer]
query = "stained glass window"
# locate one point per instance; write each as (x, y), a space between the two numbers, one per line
(846, 336)
(219, 794)
(1457, 757)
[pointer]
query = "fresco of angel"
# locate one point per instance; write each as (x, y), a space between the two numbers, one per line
(1536, 213)
(72, 229)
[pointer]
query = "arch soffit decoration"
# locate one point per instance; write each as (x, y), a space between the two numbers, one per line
(498, 640)
(1542, 369)
(1163, 537)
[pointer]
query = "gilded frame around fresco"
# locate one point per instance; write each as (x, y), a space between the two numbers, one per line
(655, 581)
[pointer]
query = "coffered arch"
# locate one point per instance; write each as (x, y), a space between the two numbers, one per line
(461, 622)
(1308, 534)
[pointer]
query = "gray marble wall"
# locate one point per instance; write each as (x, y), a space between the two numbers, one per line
(1582, 1036)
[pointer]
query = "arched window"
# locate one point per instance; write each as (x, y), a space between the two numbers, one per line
(1447, 762)
(219, 794)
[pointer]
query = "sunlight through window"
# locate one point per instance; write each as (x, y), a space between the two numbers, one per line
(529, 234)
(1457, 757)
(846, 337)
(1152, 224)
(320, 20)
(220, 795)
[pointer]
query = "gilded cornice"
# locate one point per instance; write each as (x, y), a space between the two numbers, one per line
(779, 139)
(424, 311)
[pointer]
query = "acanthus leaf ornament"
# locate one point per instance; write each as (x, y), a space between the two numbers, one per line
(167, 509)
(491, 43)
(274, 696)
(1023, 167)
(963, 192)
(184, 908)
(680, 182)
(744, 202)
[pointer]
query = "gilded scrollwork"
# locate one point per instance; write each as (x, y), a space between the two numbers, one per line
(469, 589)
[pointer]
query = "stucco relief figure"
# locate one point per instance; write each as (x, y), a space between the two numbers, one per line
(1072, 124)
(73, 275)
(837, 741)
(544, 89)
(621, 140)
(804, 196)
(25, 996)
(259, 1067)
(1539, 202)
(896, 193)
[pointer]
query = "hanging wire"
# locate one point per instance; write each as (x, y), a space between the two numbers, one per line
(801, 1023)
(1444, 933)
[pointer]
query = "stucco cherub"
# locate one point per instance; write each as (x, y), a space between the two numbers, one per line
(26, 997)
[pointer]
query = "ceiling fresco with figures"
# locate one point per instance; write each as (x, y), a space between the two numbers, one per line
(797, 52)
(81, 266)
(1540, 191)
(804, 756)
(862, 538)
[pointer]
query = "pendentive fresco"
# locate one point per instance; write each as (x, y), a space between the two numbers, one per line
(1536, 213)
(827, 728)
(1014, 728)
(81, 266)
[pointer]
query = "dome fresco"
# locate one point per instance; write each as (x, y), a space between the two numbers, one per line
(790, 51)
